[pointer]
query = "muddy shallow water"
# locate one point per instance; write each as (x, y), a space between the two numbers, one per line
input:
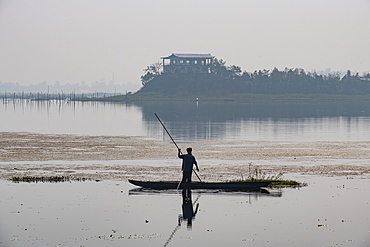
(110, 157)
(333, 210)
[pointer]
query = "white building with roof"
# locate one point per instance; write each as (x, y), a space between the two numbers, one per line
(187, 63)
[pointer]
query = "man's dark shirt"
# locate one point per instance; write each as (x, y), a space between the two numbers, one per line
(187, 162)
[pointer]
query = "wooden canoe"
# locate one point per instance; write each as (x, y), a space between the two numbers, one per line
(165, 185)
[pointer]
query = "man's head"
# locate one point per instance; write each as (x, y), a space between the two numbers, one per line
(189, 150)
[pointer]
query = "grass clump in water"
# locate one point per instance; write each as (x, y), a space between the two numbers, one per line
(257, 175)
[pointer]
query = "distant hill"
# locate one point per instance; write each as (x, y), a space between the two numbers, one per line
(230, 81)
(191, 85)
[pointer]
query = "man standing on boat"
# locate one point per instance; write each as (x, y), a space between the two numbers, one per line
(188, 160)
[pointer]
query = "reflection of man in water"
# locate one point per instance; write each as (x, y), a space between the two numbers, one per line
(188, 213)
(188, 160)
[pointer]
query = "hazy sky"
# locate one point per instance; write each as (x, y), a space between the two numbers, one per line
(88, 40)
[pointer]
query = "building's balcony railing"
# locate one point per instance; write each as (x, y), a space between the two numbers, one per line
(186, 68)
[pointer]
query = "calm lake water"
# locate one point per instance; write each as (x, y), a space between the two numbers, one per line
(112, 213)
(293, 121)
(330, 211)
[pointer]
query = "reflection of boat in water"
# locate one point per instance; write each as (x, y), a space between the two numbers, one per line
(255, 193)
(189, 208)
(165, 185)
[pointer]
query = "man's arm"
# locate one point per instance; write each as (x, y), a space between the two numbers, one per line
(196, 164)
(179, 153)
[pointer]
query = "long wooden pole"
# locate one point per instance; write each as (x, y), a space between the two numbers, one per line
(166, 131)
(173, 141)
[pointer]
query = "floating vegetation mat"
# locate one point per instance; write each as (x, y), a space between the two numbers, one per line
(49, 179)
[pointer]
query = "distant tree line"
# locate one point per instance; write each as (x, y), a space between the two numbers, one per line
(223, 80)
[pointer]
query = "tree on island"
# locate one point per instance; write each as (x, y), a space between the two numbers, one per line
(151, 71)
